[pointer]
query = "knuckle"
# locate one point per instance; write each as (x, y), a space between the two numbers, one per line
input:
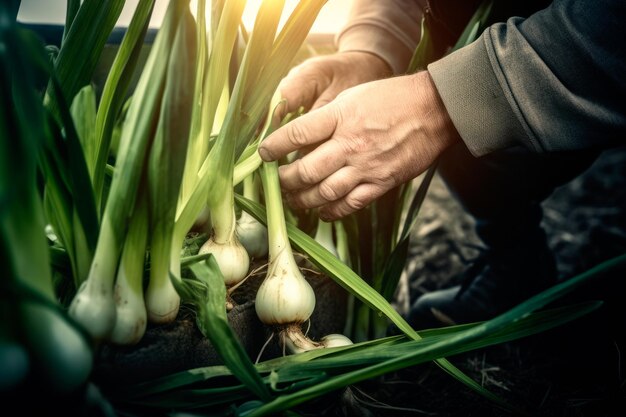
(354, 203)
(296, 135)
(354, 145)
(387, 177)
(328, 192)
(306, 172)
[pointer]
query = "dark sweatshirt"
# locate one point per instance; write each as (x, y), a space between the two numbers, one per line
(550, 79)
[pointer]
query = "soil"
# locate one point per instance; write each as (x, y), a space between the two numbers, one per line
(575, 370)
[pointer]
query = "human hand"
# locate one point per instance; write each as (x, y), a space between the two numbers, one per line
(317, 81)
(368, 140)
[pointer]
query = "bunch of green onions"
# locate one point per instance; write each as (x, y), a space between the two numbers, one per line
(188, 137)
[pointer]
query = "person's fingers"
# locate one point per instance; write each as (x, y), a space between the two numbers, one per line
(312, 168)
(309, 129)
(355, 200)
(334, 187)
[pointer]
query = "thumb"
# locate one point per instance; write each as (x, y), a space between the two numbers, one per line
(310, 129)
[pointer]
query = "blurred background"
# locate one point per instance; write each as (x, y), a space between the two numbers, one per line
(331, 18)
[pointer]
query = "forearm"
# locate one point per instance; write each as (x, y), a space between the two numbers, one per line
(552, 82)
(389, 29)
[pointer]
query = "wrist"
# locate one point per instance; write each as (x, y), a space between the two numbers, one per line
(379, 41)
(374, 63)
(434, 116)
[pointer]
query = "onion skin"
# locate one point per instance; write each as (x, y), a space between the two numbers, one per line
(131, 319)
(296, 342)
(94, 308)
(335, 340)
(231, 257)
(285, 297)
(162, 303)
(61, 356)
(252, 235)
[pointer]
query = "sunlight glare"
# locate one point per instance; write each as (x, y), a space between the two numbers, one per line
(331, 18)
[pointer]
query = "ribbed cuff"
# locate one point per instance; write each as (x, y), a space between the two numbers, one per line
(476, 101)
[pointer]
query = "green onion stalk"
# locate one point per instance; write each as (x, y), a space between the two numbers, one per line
(285, 300)
(131, 316)
(114, 93)
(252, 234)
(165, 170)
(223, 243)
(94, 306)
(212, 94)
(231, 256)
(266, 60)
(324, 236)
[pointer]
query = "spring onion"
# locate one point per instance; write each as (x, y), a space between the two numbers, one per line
(324, 236)
(165, 169)
(94, 304)
(285, 300)
(252, 234)
(131, 317)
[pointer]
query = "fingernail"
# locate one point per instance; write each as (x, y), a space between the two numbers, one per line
(324, 217)
(265, 154)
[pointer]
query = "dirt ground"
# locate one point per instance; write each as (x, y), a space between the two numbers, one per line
(575, 370)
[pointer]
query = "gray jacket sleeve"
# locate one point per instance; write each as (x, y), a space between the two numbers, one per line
(555, 81)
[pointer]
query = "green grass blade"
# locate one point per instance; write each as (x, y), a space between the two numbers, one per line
(35, 321)
(170, 382)
(261, 41)
(57, 196)
(198, 398)
(357, 357)
(197, 182)
(137, 134)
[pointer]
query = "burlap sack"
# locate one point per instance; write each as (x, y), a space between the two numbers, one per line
(180, 346)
